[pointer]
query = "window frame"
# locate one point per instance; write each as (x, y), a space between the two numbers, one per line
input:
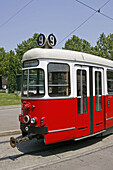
(109, 93)
(98, 86)
(59, 85)
(81, 96)
(28, 85)
(27, 61)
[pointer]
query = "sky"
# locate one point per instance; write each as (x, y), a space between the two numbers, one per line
(60, 17)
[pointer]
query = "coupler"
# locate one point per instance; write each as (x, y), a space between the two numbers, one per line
(15, 141)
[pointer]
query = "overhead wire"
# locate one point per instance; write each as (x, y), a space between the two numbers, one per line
(77, 28)
(10, 18)
(96, 11)
(14, 15)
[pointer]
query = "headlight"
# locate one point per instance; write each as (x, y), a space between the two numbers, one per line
(26, 118)
(33, 120)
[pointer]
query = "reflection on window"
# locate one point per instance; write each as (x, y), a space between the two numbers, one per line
(58, 80)
(110, 81)
(30, 63)
(98, 91)
(81, 92)
(33, 83)
(25, 80)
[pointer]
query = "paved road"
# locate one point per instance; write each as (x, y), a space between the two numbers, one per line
(9, 118)
(88, 154)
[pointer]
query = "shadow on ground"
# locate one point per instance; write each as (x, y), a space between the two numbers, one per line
(38, 148)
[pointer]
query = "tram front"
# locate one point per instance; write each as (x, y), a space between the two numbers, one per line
(33, 104)
(32, 118)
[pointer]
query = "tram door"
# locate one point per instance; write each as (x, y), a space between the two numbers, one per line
(82, 101)
(97, 101)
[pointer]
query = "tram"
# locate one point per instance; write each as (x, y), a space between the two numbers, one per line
(65, 95)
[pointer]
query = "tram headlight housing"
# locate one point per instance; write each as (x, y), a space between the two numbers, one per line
(33, 120)
(26, 119)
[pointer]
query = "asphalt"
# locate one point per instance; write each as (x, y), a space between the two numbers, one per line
(9, 107)
(9, 128)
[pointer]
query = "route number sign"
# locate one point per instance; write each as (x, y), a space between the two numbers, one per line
(50, 40)
(41, 40)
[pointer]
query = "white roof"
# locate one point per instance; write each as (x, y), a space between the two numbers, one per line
(60, 54)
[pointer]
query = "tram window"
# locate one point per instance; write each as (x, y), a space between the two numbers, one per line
(24, 82)
(110, 81)
(81, 91)
(33, 83)
(30, 63)
(98, 91)
(58, 79)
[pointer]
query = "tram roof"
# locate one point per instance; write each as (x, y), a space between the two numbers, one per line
(59, 54)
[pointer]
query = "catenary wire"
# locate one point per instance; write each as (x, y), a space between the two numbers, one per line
(91, 7)
(85, 20)
(77, 27)
(98, 9)
(10, 18)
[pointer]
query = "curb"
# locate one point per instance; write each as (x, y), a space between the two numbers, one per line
(10, 132)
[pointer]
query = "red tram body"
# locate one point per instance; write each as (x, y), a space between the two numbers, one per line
(65, 95)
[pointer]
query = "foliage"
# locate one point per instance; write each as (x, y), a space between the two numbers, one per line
(77, 44)
(9, 99)
(10, 62)
(22, 48)
(4, 62)
(103, 48)
(12, 73)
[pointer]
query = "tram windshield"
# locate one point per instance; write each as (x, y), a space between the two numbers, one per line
(33, 83)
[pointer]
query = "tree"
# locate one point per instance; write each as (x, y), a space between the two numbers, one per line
(12, 73)
(22, 48)
(10, 64)
(77, 44)
(4, 62)
(103, 48)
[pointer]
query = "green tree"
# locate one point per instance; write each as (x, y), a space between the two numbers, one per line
(103, 48)
(77, 44)
(4, 62)
(22, 48)
(12, 73)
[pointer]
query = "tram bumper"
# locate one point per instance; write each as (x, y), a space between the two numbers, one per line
(33, 129)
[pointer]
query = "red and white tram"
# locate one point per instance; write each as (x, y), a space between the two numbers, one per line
(65, 95)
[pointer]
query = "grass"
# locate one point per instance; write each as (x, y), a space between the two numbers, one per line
(9, 99)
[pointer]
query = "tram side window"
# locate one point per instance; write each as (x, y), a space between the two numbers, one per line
(98, 91)
(81, 91)
(110, 81)
(58, 79)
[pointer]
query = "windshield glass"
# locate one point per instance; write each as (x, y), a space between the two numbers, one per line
(33, 83)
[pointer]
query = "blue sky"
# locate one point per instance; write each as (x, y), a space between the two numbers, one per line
(52, 16)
